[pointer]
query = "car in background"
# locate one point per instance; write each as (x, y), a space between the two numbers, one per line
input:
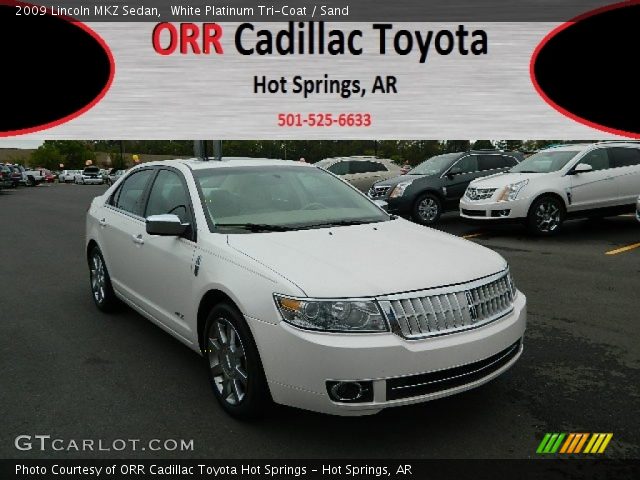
(113, 175)
(68, 176)
(274, 289)
(638, 209)
(89, 176)
(569, 181)
(405, 169)
(34, 177)
(48, 176)
(437, 184)
(5, 176)
(360, 171)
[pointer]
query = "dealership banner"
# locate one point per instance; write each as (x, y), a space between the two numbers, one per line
(296, 69)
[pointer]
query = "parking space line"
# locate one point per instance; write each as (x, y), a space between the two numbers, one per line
(472, 235)
(623, 249)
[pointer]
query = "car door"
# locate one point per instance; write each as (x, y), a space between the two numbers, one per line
(120, 221)
(597, 188)
(165, 276)
(459, 176)
(626, 164)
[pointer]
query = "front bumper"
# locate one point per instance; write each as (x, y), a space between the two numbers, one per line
(490, 210)
(92, 181)
(298, 363)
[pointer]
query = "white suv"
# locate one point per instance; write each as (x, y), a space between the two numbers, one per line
(586, 180)
(268, 270)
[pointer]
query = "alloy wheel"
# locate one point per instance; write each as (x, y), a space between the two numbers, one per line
(98, 278)
(227, 361)
(548, 216)
(428, 209)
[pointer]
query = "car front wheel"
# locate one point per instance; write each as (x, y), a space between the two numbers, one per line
(234, 366)
(427, 209)
(546, 216)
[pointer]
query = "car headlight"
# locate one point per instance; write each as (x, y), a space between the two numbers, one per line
(510, 192)
(332, 315)
(399, 189)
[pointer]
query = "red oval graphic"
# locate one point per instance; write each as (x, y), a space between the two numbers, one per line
(54, 67)
(585, 69)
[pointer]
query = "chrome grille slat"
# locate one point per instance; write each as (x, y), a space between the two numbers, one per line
(448, 310)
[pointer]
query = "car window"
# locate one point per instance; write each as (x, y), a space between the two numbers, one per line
(340, 168)
(598, 159)
(366, 167)
(492, 162)
(169, 195)
(130, 195)
(624, 157)
(468, 164)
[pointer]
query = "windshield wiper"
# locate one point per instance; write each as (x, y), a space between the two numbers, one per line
(256, 227)
(337, 223)
(526, 171)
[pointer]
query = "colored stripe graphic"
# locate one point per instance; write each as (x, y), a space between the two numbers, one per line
(572, 443)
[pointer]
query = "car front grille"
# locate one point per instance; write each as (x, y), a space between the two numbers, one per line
(441, 380)
(448, 310)
(378, 192)
(479, 193)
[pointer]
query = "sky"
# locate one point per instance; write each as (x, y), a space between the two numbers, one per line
(10, 143)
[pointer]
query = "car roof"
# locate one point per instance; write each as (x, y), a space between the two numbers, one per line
(226, 162)
(355, 158)
(585, 146)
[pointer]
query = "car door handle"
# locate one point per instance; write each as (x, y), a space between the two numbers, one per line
(137, 239)
(103, 222)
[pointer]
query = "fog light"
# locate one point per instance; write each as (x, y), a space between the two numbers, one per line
(350, 391)
(500, 213)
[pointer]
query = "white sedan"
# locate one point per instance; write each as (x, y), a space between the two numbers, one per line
(268, 270)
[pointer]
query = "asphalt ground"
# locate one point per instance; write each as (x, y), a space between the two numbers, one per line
(69, 371)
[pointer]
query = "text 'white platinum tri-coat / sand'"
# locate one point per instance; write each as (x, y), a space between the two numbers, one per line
(296, 287)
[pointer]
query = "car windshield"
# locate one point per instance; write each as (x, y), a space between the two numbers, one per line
(92, 170)
(545, 162)
(279, 198)
(434, 165)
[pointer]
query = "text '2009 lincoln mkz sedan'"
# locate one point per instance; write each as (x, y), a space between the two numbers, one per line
(268, 270)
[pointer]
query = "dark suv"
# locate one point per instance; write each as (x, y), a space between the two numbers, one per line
(437, 184)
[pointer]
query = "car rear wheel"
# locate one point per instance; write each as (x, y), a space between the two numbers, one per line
(427, 209)
(546, 216)
(234, 366)
(101, 289)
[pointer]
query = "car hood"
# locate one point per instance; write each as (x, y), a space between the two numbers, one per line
(402, 178)
(503, 179)
(369, 260)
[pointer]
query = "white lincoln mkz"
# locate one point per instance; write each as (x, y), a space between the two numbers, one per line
(296, 287)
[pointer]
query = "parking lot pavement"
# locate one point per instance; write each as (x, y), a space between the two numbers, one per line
(68, 371)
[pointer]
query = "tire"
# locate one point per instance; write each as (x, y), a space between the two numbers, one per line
(427, 209)
(31, 181)
(233, 364)
(546, 216)
(100, 281)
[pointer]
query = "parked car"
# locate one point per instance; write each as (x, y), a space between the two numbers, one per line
(114, 175)
(48, 176)
(437, 184)
(638, 209)
(68, 176)
(18, 175)
(33, 177)
(588, 180)
(89, 176)
(361, 172)
(405, 169)
(5, 176)
(265, 269)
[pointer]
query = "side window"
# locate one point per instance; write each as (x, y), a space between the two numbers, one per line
(468, 164)
(339, 168)
(509, 161)
(366, 166)
(598, 159)
(491, 162)
(130, 196)
(168, 195)
(624, 157)
(376, 167)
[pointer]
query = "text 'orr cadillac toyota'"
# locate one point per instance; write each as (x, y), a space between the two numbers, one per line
(268, 270)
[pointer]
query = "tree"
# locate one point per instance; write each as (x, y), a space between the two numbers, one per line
(482, 145)
(47, 156)
(453, 146)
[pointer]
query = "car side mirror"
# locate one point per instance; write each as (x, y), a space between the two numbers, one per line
(582, 168)
(167, 225)
(382, 204)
